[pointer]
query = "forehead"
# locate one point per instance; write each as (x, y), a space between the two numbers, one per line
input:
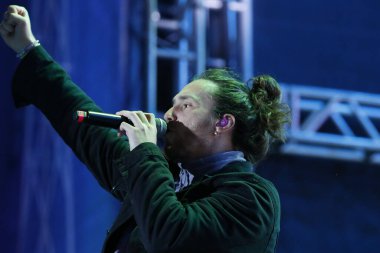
(198, 90)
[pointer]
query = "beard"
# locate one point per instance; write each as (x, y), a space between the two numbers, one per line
(180, 142)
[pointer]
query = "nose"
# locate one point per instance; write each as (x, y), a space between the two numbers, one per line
(169, 115)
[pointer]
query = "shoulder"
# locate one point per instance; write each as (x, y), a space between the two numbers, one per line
(238, 180)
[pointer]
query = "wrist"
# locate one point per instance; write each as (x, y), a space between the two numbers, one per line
(26, 49)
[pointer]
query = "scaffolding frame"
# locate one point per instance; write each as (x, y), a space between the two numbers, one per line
(190, 53)
(334, 124)
(325, 122)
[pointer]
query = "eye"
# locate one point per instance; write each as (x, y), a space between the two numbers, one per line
(186, 106)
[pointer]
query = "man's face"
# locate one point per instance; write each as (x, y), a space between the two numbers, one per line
(191, 122)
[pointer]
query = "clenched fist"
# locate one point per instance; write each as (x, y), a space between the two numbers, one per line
(15, 28)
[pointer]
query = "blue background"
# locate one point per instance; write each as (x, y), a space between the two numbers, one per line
(327, 205)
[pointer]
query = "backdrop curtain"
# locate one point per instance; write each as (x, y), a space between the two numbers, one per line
(51, 203)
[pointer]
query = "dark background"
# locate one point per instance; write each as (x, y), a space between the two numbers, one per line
(327, 205)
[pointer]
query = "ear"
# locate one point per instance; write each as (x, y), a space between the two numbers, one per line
(225, 124)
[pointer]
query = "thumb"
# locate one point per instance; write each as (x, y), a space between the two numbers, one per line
(16, 15)
(15, 29)
(18, 10)
(15, 19)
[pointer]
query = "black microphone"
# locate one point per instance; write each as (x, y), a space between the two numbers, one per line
(112, 120)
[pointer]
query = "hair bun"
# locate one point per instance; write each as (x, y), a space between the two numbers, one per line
(265, 89)
(271, 114)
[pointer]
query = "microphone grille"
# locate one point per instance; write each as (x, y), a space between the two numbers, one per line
(161, 126)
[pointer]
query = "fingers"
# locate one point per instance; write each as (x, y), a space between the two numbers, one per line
(3, 31)
(5, 27)
(12, 17)
(9, 23)
(15, 13)
(139, 116)
(15, 28)
(143, 129)
(12, 8)
(139, 119)
(8, 28)
(147, 118)
(19, 10)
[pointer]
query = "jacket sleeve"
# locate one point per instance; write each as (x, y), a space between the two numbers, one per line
(235, 213)
(40, 81)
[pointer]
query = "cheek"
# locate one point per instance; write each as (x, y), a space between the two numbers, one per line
(188, 120)
(199, 122)
(192, 122)
(201, 127)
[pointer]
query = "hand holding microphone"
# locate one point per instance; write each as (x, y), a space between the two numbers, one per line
(137, 125)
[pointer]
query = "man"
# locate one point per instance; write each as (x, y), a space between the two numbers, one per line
(217, 129)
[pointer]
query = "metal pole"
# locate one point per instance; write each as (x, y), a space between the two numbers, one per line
(247, 42)
(183, 62)
(151, 91)
(200, 17)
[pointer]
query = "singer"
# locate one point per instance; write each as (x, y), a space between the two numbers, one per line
(200, 194)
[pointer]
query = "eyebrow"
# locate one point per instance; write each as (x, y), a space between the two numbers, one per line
(184, 97)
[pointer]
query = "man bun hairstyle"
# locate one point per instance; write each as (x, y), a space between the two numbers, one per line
(260, 116)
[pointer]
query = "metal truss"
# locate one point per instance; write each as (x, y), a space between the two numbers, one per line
(336, 124)
(326, 123)
(178, 31)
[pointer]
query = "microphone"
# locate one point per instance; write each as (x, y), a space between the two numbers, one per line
(113, 120)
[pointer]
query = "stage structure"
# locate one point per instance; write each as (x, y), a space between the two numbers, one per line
(326, 123)
(334, 124)
(178, 30)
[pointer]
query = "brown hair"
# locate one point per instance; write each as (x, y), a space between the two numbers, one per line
(259, 114)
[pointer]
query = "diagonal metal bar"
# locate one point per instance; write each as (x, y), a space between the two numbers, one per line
(321, 104)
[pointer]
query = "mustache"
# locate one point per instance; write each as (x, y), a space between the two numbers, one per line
(179, 128)
(178, 135)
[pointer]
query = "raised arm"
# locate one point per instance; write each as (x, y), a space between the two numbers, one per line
(40, 81)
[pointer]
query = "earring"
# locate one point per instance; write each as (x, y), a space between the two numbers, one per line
(222, 122)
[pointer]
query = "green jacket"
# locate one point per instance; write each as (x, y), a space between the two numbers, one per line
(232, 210)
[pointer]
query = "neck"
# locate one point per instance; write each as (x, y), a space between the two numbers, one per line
(215, 162)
